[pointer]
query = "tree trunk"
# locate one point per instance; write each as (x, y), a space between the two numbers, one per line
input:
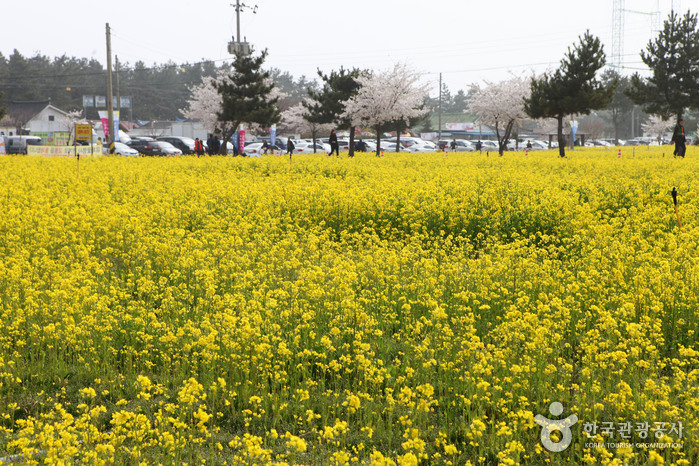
(351, 142)
(378, 141)
(314, 133)
(497, 136)
(502, 143)
(561, 139)
(398, 141)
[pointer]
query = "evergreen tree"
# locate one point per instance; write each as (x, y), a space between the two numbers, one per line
(573, 88)
(620, 109)
(328, 104)
(247, 95)
(673, 58)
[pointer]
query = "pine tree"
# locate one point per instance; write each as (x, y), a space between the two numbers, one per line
(621, 106)
(573, 88)
(673, 58)
(328, 104)
(247, 96)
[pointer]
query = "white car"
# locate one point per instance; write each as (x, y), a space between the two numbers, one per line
(307, 148)
(122, 149)
(424, 146)
(488, 145)
(167, 148)
(255, 149)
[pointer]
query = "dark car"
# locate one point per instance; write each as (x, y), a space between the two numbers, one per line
(145, 147)
(186, 145)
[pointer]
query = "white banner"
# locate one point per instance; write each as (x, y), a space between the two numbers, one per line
(460, 126)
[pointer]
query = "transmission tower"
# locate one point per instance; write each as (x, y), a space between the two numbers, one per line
(617, 60)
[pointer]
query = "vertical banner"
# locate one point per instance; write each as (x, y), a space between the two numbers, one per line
(116, 125)
(104, 117)
(573, 130)
(241, 139)
(2, 145)
(273, 135)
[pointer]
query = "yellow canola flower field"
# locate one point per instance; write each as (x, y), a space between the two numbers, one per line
(410, 309)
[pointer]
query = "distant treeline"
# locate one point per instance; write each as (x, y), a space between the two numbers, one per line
(157, 91)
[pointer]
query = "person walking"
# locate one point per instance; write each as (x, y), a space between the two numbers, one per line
(679, 139)
(334, 146)
(210, 144)
(290, 146)
(198, 147)
(453, 144)
(217, 146)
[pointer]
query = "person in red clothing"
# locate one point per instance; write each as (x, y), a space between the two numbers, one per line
(198, 147)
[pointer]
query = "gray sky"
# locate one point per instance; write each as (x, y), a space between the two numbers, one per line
(468, 41)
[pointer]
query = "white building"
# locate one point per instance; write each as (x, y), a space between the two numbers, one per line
(34, 117)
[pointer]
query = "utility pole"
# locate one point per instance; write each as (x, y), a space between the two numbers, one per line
(110, 96)
(236, 47)
(439, 118)
(118, 96)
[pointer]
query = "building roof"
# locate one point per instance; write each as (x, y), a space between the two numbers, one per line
(20, 112)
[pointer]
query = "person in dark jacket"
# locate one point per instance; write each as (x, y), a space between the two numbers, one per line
(290, 146)
(679, 139)
(334, 146)
(210, 145)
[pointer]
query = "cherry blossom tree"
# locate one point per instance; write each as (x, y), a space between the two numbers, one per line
(500, 105)
(657, 126)
(298, 118)
(205, 103)
(387, 97)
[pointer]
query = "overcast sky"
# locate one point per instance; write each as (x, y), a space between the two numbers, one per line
(468, 41)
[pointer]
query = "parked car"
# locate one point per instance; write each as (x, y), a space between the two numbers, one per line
(307, 148)
(343, 144)
(255, 149)
(390, 147)
(18, 144)
(406, 141)
(424, 146)
(462, 145)
(146, 147)
(598, 143)
(167, 148)
(186, 145)
(279, 141)
(121, 149)
(489, 145)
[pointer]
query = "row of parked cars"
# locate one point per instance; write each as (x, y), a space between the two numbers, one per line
(177, 145)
